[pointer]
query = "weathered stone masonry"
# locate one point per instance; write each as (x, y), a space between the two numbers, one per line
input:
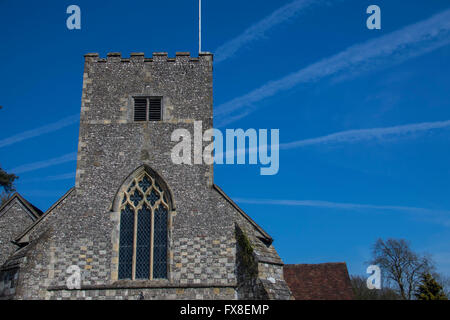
(82, 228)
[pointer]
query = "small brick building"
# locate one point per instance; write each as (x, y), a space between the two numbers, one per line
(136, 224)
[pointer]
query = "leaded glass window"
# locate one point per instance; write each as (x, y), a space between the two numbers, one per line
(143, 230)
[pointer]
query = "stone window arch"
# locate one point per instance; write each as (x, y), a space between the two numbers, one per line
(144, 219)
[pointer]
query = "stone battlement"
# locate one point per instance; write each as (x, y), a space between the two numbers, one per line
(156, 57)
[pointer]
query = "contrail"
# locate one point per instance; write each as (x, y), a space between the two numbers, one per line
(46, 163)
(42, 193)
(350, 136)
(64, 176)
(338, 205)
(398, 46)
(258, 29)
(40, 131)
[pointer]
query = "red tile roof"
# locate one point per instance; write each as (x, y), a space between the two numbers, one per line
(324, 281)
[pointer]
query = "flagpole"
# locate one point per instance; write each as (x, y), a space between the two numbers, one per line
(199, 26)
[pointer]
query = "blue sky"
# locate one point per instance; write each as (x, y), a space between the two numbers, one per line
(363, 114)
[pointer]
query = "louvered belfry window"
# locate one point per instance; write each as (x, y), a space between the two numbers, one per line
(147, 109)
(143, 230)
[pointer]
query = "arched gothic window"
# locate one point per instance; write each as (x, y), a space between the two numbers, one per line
(143, 230)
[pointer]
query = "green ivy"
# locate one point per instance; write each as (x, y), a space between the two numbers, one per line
(246, 255)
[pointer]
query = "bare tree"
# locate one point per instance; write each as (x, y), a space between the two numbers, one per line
(361, 292)
(400, 266)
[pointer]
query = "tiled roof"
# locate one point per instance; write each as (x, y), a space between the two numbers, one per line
(324, 281)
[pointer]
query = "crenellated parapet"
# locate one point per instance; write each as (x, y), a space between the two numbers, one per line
(139, 57)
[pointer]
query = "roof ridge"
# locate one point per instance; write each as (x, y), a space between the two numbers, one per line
(8, 201)
(45, 214)
(35, 211)
(38, 211)
(267, 237)
(313, 264)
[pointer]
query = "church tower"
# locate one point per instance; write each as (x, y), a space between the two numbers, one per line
(137, 225)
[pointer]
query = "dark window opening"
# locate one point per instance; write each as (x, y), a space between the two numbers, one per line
(147, 109)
